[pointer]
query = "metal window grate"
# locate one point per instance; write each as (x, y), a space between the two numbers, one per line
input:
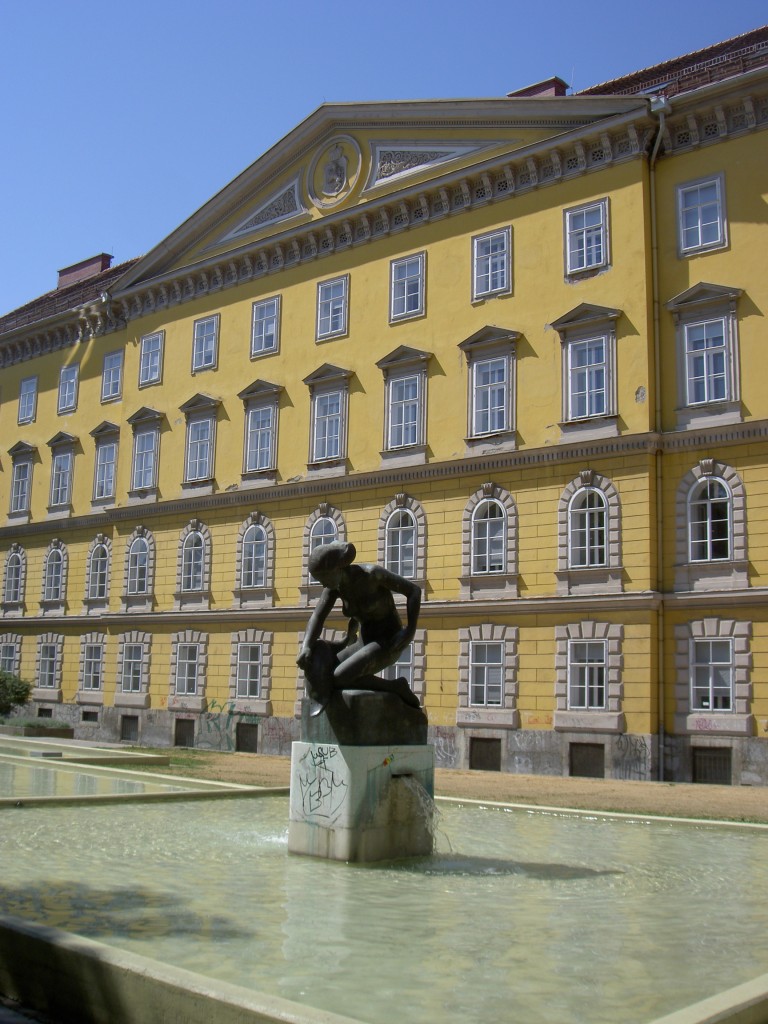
(485, 754)
(587, 760)
(711, 765)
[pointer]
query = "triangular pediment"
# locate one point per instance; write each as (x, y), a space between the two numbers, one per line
(343, 174)
(145, 415)
(259, 389)
(200, 403)
(488, 336)
(21, 450)
(586, 314)
(403, 355)
(105, 429)
(703, 294)
(62, 439)
(326, 374)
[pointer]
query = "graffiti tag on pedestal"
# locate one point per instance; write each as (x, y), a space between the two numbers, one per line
(323, 790)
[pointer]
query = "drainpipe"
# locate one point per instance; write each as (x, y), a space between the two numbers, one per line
(660, 107)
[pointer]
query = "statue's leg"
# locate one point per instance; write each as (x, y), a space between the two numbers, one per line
(357, 671)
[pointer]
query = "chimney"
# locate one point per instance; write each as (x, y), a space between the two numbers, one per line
(85, 269)
(549, 87)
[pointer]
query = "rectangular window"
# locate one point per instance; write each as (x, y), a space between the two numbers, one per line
(260, 438)
(265, 335)
(104, 477)
(133, 656)
(27, 400)
(93, 660)
(112, 377)
(491, 264)
(151, 359)
(404, 411)
(407, 287)
(144, 459)
(326, 440)
(47, 674)
(205, 343)
(8, 658)
(332, 308)
(587, 378)
(586, 674)
(706, 362)
(68, 388)
(402, 668)
(61, 478)
(200, 449)
(712, 675)
(21, 486)
(489, 395)
(486, 674)
(187, 656)
(701, 215)
(248, 670)
(586, 238)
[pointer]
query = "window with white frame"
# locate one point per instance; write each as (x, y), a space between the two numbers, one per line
(401, 543)
(192, 561)
(586, 237)
(199, 460)
(332, 307)
(324, 525)
(587, 529)
(490, 356)
(587, 378)
(265, 330)
(9, 655)
(98, 572)
(132, 667)
(205, 341)
(491, 264)
(138, 567)
(105, 470)
(112, 377)
(405, 384)
(249, 662)
(711, 674)
(706, 362)
(61, 478)
(407, 287)
(489, 533)
(486, 667)
(187, 663)
(702, 223)
(402, 668)
(586, 674)
(48, 667)
(706, 328)
(27, 400)
(53, 575)
(260, 438)
(21, 485)
(68, 379)
(490, 390)
(404, 415)
(329, 396)
(151, 358)
(323, 531)
(93, 666)
(146, 450)
(709, 521)
(13, 584)
(253, 566)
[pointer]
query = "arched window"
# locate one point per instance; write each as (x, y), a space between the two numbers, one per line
(53, 575)
(323, 526)
(13, 577)
(98, 573)
(489, 530)
(254, 558)
(709, 521)
(401, 543)
(587, 529)
(323, 532)
(138, 566)
(192, 562)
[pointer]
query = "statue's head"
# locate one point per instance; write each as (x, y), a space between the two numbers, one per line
(328, 558)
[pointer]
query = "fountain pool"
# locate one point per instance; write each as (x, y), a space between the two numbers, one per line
(529, 916)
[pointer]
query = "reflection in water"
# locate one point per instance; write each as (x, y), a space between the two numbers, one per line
(531, 916)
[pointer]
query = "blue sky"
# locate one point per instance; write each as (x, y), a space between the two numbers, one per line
(120, 120)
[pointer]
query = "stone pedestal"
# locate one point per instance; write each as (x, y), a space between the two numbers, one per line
(362, 780)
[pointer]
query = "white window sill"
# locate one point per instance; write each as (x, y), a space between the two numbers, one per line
(488, 718)
(589, 721)
(131, 699)
(490, 587)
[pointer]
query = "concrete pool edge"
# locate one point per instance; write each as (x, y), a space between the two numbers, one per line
(77, 979)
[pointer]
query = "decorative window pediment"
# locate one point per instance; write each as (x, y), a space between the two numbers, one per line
(586, 315)
(145, 416)
(327, 374)
(22, 450)
(200, 403)
(486, 337)
(258, 390)
(403, 356)
(701, 295)
(105, 430)
(62, 440)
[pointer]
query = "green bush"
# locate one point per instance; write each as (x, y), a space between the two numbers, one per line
(14, 692)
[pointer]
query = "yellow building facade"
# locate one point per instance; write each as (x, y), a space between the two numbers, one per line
(510, 348)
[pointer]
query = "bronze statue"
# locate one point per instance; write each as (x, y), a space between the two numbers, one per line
(375, 636)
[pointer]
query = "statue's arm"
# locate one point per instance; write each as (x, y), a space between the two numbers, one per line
(412, 594)
(315, 625)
